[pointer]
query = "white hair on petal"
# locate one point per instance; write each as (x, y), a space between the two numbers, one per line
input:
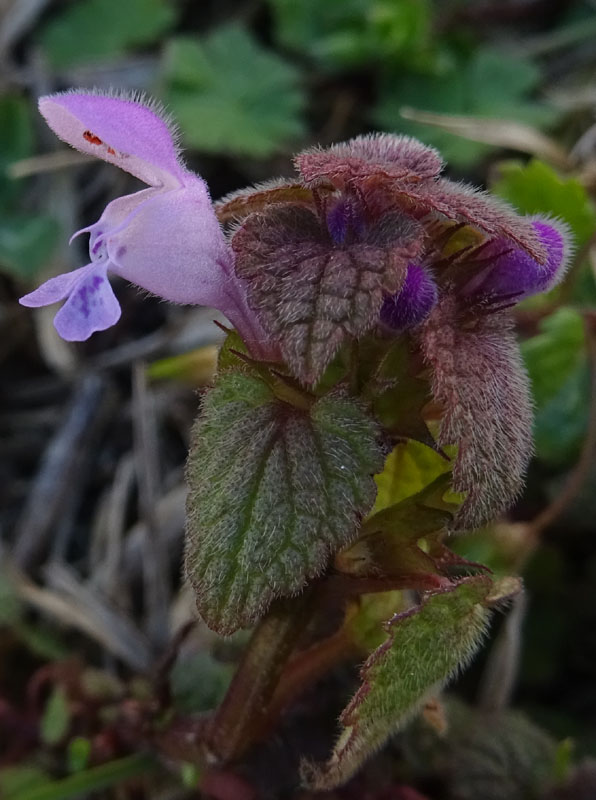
(563, 228)
(138, 97)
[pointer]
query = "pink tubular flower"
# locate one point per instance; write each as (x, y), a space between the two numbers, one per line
(165, 239)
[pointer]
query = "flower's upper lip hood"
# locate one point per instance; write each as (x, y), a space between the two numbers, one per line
(119, 130)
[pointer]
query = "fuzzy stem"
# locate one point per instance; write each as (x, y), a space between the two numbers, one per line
(242, 715)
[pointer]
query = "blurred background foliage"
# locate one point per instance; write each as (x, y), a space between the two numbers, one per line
(506, 89)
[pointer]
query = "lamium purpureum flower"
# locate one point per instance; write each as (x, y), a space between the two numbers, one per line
(165, 239)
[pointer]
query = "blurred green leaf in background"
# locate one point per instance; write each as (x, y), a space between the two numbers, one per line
(347, 33)
(480, 83)
(99, 29)
(26, 238)
(230, 95)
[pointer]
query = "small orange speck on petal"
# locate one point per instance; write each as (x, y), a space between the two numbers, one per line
(92, 138)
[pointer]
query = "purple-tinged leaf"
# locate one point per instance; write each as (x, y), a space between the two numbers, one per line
(312, 293)
(398, 158)
(480, 383)
(239, 204)
(386, 166)
(463, 203)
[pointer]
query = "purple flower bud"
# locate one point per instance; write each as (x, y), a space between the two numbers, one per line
(512, 273)
(165, 239)
(345, 222)
(414, 301)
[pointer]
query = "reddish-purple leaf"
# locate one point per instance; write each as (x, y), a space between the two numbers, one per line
(481, 384)
(312, 293)
(385, 154)
(239, 204)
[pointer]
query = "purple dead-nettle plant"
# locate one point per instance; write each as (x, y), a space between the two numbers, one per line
(372, 300)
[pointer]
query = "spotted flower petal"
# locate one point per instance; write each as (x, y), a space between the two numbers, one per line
(53, 290)
(91, 306)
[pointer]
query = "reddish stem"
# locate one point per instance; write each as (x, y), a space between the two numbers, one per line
(238, 721)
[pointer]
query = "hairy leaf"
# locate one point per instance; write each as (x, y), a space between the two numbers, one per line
(394, 157)
(386, 166)
(312, 293)
(243, 202)
(274, 491)
(220, 90)
(490, 214)
(365, 621)
(479, 381)
(426, 646)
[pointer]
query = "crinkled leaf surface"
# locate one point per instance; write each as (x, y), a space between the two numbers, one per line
(425, 648)
(95, 29)
(312, 294)
(221, 91)
(274, 491)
